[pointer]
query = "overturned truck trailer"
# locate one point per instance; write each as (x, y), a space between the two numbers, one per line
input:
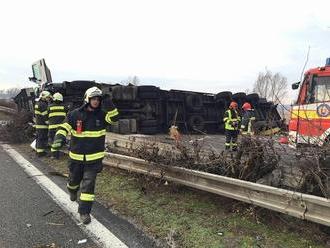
(148, 109)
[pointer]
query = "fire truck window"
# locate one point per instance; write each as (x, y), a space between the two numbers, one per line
(322, 89)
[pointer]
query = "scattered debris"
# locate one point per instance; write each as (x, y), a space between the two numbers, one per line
(49, 212)
(172, 238)
(56, 173)
(54, 224)
(52, 245)
(20, 121)
(82, 241)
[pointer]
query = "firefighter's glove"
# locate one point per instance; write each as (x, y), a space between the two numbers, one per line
(234, 124)
(57, 144)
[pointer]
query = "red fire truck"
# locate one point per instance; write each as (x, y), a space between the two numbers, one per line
(310, 116)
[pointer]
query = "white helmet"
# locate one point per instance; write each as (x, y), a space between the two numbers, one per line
(44, 94)
(92, 92)
(58, 97)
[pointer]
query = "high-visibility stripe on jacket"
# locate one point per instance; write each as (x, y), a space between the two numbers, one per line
(87, 144)
(247, 119)
(41, 114)
(229, 118)
(56, 115)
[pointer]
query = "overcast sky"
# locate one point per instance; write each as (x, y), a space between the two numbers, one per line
(207, 46)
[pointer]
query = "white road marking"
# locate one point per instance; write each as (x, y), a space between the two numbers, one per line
(95, 229)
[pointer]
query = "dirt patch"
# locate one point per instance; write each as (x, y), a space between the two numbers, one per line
(8, 103)
(19, 130)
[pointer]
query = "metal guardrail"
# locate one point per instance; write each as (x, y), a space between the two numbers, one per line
(303, 206)
(8, 110)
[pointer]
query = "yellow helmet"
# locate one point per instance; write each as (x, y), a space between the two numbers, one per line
(58, 97)
(44, 94)
(92, 92)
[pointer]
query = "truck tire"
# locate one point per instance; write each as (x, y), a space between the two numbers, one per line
(194, 102)
(80, 85)
(262, 100)
(117, 92)
(196, 122)
(254, 97)
(149, 130)
(223, 96)
(239, 96)
(129, 92)
(149, 123)
(148, 92)
(261, 125)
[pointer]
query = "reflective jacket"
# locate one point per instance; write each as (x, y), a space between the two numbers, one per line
(231, 119)
(56, 115)
(41, 114)
(247, 121)
(87, 129)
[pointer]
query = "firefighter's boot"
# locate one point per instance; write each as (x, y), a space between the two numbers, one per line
(41, 154)
(56, 154)
(73, 196)
(85, 218)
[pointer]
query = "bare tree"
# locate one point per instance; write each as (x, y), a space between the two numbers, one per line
(131, 81)
(271, 86)
(9, 93)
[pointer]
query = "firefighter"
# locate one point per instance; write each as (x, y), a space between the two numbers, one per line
(87, 126)
(41, 122)
(231, 119)
(248, 119)
(56, 115)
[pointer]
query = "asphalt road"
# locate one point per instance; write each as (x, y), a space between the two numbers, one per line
(30, 217)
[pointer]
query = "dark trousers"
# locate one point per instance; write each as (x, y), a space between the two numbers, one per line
(231, 139)
(83, 176)
(41, 140)
(51, 136)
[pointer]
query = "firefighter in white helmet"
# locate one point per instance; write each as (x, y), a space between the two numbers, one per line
(56, 114)
(87, 126)
(41, 122)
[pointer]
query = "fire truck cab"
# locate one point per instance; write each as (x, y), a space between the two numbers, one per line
(310, 115)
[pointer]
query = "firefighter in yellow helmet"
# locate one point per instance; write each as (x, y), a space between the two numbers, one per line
(87, 126)
(41, 122)
(56, 115)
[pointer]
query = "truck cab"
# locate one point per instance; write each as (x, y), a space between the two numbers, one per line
(310, 115)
